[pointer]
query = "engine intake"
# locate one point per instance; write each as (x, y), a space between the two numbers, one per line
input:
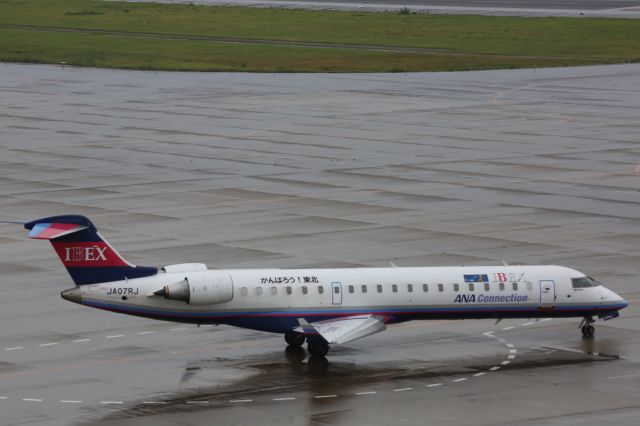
(200, 289)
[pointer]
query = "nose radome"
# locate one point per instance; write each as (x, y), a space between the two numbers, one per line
(72, 295)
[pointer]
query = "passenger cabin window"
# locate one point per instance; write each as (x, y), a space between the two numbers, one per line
(259, 291)
(336, 289)
(379, 288)
(274, 290)
(584, 282)
(320, 289)
(471, 287)
(289, 291)
(351, 289)
(501, 286)
(486, 286)
(425, 287)
(440, 287)
(394, 288)
(305, 289)
(244, 291)
(515, 286)
(456, 287)
(364, 288)
(410, 288)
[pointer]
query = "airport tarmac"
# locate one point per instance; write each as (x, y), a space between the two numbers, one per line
(283, 170)
(565, 8)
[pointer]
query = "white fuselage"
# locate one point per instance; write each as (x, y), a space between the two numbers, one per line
(274, 299)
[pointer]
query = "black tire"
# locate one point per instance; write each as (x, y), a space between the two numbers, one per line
(294, 338)
(318, 349)
(591, 331)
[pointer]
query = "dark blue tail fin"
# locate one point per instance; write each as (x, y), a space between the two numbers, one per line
(87, 256)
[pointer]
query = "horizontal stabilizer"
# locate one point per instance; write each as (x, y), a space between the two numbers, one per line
(49, 231)
(343, 330)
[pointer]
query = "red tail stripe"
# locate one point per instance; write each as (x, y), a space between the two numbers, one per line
(87, 254)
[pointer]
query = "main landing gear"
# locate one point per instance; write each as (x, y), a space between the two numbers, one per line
(296, 339)
(588, 330)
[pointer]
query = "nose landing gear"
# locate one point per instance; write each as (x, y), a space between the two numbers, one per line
(588, 330)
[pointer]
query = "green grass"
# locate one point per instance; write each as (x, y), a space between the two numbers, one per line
(160, 36)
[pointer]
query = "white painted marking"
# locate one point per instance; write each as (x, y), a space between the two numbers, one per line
(153, 402)
(70, 401)
(433, 385)
(145, 332)
(177, 329)
(32, 399)
(289, 398)
(610, 377)
(366, 393)
(508, 328)
(513, 351)
(502, 341)
(111, 402)
(505, 362)
(489, 333)
(325, 396)
(546, 319)
(511, 356)
(81, 340)
(3, 397)
(595, 354)
(197, 402)
(461, 379)
(402, 389)
(509, 345)
(494, 368)
(48, 344)
(15, 348)
(526, 323)
(482, 373)
(239, 401)
(114, 336)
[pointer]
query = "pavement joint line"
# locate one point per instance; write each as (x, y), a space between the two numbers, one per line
(325, 396)
(402, 389)
(15, 348)
(366, 393)
(461, 379)
(238, 401)
(288, 398)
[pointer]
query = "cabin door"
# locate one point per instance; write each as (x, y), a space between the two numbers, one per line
(547, 294)
(336, 293)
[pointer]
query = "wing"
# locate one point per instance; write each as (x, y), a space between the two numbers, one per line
(343, 330)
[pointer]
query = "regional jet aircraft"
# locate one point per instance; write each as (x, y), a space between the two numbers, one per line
(320, 306)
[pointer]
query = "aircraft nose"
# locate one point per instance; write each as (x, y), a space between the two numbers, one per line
(72, 295)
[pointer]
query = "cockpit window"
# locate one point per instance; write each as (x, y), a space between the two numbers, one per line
(584, 282)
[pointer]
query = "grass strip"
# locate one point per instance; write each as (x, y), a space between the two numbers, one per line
(204, 38)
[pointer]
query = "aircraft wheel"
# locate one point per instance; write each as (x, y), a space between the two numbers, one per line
(588, 331)
(318, 349)
(294, 338)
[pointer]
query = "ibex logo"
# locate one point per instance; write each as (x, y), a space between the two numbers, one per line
(89, 254)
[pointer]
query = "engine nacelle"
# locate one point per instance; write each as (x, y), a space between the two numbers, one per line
(200, 288)
(184, 267)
